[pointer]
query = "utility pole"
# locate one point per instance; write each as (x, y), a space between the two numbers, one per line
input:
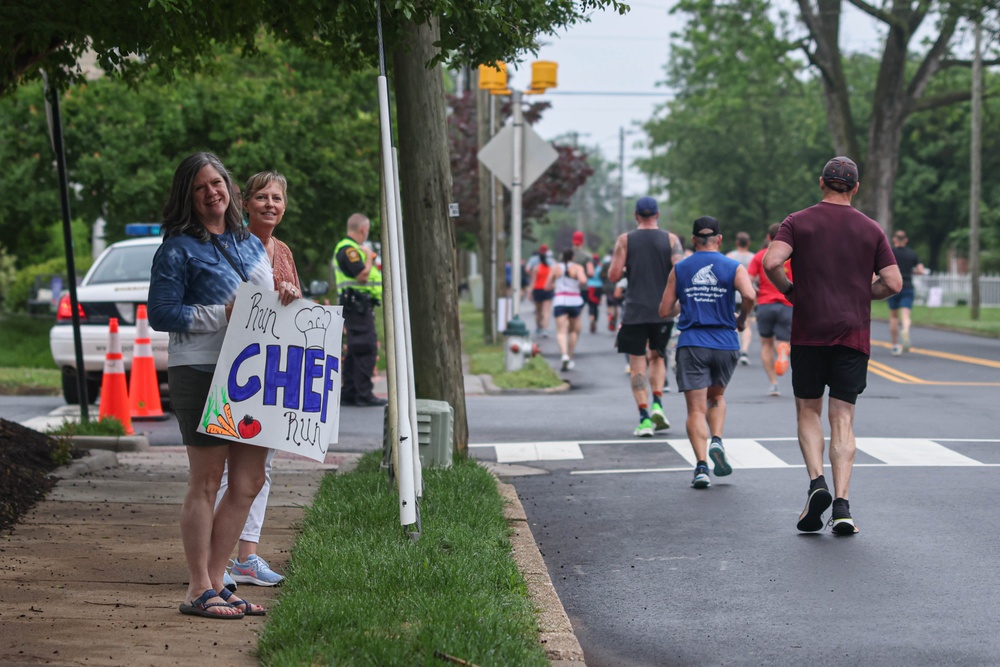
(621, 179)
(976, 168)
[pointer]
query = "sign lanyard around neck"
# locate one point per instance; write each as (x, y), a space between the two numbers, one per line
(239, 272)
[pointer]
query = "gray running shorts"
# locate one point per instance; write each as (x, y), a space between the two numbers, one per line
(774, 320)
(704, 367)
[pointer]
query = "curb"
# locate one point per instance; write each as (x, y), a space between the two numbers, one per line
(96, 460)
(492, 389)
(555, 632)
(114, 443)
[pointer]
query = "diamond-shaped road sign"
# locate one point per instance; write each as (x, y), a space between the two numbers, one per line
(498, 156)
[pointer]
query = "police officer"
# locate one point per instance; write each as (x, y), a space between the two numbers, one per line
(359, 286)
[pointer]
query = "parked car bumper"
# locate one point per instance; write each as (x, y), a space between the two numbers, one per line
(95, 346)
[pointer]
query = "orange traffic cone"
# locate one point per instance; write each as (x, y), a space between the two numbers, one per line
(114, 390)
(144, 388)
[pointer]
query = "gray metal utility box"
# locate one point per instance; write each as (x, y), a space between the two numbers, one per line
(435, 429)
(435, 432)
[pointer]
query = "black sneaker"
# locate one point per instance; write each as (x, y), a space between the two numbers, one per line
(701, 480)
(841, 519)
(811, 518)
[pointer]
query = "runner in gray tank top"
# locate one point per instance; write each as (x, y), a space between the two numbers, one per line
(646, 255)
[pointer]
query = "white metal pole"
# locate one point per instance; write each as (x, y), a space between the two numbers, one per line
(494, 292)
(418, 476)
(404, 473)
(515, 204)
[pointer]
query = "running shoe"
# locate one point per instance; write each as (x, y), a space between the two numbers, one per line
(701, 480)
(565, 363)
(841, 520)
(227, 581)
(817, 502)
(660, 420)
(571, 365)
(905, 336)
(773, 391)
(717, 453)
(744, 359)
(255, 571)
(781, 363)
(644, 429)
(896, 350)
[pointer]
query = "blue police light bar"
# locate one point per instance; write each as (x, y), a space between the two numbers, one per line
(142, 229)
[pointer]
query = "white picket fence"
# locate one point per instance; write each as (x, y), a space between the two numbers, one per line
(955, 289)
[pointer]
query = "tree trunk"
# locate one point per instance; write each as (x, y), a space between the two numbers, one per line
(425, 182)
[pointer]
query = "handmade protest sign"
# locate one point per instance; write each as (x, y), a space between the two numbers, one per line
(277, 383)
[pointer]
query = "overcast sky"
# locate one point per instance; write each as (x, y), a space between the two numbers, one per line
(624, 54)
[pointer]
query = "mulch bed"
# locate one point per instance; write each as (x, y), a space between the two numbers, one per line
(26, 459)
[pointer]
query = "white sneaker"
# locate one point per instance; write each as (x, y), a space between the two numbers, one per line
(773, 391)
(571, 365)
(896, 350)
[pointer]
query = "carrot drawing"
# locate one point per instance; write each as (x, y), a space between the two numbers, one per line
(229, 417)
(225, 425)
(212, 429)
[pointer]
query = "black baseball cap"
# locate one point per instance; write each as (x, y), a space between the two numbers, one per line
(706, 226)
(841, 170)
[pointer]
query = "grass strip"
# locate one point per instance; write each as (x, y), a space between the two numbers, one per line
(30, 381)
(360, 593)
(487, 359)
(957, 318)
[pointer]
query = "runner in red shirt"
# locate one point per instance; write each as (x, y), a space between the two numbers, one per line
(774, 317)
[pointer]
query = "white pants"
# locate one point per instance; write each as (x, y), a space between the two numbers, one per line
(255, 519)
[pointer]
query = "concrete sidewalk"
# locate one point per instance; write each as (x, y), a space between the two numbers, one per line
(93, 575)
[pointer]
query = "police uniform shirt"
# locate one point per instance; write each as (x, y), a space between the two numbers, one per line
(351, 261)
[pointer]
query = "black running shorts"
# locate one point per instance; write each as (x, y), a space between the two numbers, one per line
(843, 369)
(634, 338)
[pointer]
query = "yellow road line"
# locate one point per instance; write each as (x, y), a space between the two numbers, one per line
(895, 375)
(944, 355)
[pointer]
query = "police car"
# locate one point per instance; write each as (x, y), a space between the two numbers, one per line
(116, 284)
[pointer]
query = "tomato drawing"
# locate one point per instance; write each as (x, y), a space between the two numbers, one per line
(249, 427)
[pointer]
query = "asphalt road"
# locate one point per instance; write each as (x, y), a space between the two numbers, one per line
(653, 572)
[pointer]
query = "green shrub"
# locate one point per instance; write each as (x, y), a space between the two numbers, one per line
(106, 426)
(23, 286)
(8, 272)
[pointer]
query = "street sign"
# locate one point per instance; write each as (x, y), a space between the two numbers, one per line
(498, 156)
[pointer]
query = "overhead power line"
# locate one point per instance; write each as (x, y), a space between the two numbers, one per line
(608, 93)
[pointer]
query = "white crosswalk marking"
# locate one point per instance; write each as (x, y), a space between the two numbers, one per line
(742, 453)
(747, 453)
(912, 452)
(537, 451)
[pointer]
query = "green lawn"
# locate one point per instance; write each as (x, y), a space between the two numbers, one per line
(24, 341)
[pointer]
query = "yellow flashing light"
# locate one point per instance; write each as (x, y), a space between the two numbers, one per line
(492, 77)
(543, 75)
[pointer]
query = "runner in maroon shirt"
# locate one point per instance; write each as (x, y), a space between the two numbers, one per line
(835, 250)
